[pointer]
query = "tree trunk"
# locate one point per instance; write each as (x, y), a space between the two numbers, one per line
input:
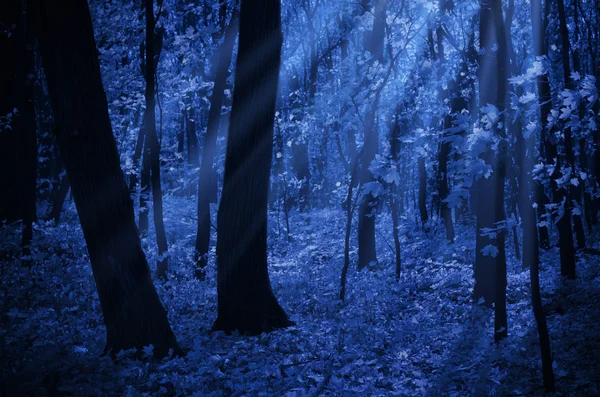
(500, 316)
(367, 251)
(207, 182)
(394, 150)
(192, 139)
(562, 197)
(153, 145)
(18, 145)
(423, 191)
(137, 154)
(444, 151)
(59, 199)
(144, 184)
(485, 271)
(133, 314)
(245, 299)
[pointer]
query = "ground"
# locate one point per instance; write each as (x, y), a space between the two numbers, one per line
(422, 336)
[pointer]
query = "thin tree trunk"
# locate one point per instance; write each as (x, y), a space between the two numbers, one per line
(367, 251)
(133, 314)
(349, 207)
(59, 199)
(153, 145)
(423, 192)
(562, 198)
(207, 182)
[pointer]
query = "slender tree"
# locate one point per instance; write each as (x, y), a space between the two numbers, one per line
(133, 314)
(152, 146)
(367, 251)
(445, 148)
(572, 194)
(207, 183)
(245, 299)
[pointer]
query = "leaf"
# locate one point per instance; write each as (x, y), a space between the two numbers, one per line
(489, 250)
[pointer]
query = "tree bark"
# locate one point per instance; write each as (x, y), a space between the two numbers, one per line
(367, 250)
(422, 191)
(18, 145)
(207, 182)
(153, 144)
(245, 299)
(572, 194)
(133, 314)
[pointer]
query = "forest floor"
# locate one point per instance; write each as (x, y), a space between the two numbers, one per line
(422, 336)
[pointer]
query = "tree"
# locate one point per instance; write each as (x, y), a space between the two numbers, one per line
(367, 251)
(133, 314)
(245, 299)
(151, 144)
(207, 182)
(490, 256)
(18, 146)
(445, 148)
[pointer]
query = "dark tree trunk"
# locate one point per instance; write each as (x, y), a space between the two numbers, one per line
(349, 207)
(153, 145)
(567, 249)
(444, 150)
(545, 102)
(137, 154)
(245, 300)
(367, 251)
(181, 136)
(207, 182)
(144, 185)
(500, 316)
(18, 145)
(25, 124)
(485, 189)
(572, 193)
(395, 149)
(133, 313)
(422, 190)
(59, 199)
(192, 138)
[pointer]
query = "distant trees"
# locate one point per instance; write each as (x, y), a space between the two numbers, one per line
(133, 313)
(245, 299)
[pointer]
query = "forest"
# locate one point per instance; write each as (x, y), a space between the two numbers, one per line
(299, 198)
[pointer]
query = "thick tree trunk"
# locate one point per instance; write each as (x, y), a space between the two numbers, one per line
(25, 124)
(245, 300)
(133, 314)
(207, 182)
(18, 145)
